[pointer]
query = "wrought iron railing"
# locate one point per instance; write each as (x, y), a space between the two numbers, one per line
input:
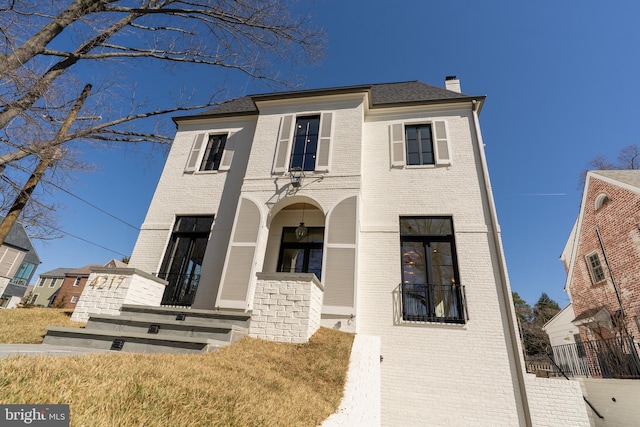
(180, 290)
(608, 358)
(422, 302)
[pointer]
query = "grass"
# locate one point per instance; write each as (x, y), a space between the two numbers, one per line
(26, 326)
(251, 383)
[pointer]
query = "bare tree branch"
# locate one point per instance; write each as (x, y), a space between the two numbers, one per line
(42, 42)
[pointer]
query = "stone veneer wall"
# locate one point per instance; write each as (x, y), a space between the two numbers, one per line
(286, 307)
(108, 289)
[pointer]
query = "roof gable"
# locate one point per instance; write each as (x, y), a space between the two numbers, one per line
(19, 238)
(629, 179)
(626, 179)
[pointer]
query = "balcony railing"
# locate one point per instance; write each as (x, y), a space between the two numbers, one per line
(610, 358)
(180, 290)
(422, 302)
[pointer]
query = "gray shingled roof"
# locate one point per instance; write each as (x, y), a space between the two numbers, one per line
(384, 94)
(57, 272)
(630, 177)
(18, 237)
(394, 93)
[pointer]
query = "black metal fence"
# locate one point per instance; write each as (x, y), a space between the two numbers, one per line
(609, 358)
(433, 303)
(181, 289)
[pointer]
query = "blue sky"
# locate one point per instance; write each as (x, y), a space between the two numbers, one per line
(561, 85)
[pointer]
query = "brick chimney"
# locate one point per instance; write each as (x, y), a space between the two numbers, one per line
(452, 83)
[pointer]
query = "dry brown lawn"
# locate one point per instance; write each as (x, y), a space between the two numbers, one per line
(26, 325)
(251, 383)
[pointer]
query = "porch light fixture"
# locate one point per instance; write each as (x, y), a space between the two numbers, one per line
(296, 175)
(301, 230)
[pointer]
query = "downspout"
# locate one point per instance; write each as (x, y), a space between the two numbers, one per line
(613, 281)
(506, 292)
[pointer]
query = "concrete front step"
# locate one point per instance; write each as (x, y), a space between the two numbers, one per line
(217, 329)
(193, 316)
(147, 329)
(130, 341)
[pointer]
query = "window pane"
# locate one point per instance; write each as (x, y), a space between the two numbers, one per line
(213, 152)
(413, 263)
(305, 143)
(419, 145)
(430, 285)
(315, 262)
(442, 272)
(415, 301)
(446, 302)
(304, 255)
(314, 235)
(425, 226)
(292, 261)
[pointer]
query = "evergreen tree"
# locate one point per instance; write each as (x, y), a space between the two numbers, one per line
(531, 320)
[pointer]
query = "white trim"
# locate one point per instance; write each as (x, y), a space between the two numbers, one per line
(345, 311)
(231, 304)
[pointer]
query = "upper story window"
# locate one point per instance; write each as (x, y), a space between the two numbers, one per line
(77, 281)
(41, 282)
(53, 282)
(595, 267)
(24, 273)
(210, 152)
(304, 143)
(430, 288)
(419, 144)
(213, 153)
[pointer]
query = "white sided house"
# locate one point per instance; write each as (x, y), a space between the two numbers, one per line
(377, 196)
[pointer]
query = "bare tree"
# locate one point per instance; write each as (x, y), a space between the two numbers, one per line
(47, 46)
(628, 158)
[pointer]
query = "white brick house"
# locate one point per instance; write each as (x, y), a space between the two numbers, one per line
(381, 191)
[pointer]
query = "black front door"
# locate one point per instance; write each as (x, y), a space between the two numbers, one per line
(183, 259)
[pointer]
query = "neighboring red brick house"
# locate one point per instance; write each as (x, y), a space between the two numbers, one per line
(74, 282)
(602, 256)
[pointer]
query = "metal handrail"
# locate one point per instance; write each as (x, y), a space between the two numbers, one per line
(426, 302)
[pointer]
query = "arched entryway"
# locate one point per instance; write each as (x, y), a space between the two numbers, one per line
(296, 238)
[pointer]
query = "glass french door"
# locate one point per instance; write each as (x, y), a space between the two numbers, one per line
(429, 280)
(183, 259)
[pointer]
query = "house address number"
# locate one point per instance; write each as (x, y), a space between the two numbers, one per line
(108, 282)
